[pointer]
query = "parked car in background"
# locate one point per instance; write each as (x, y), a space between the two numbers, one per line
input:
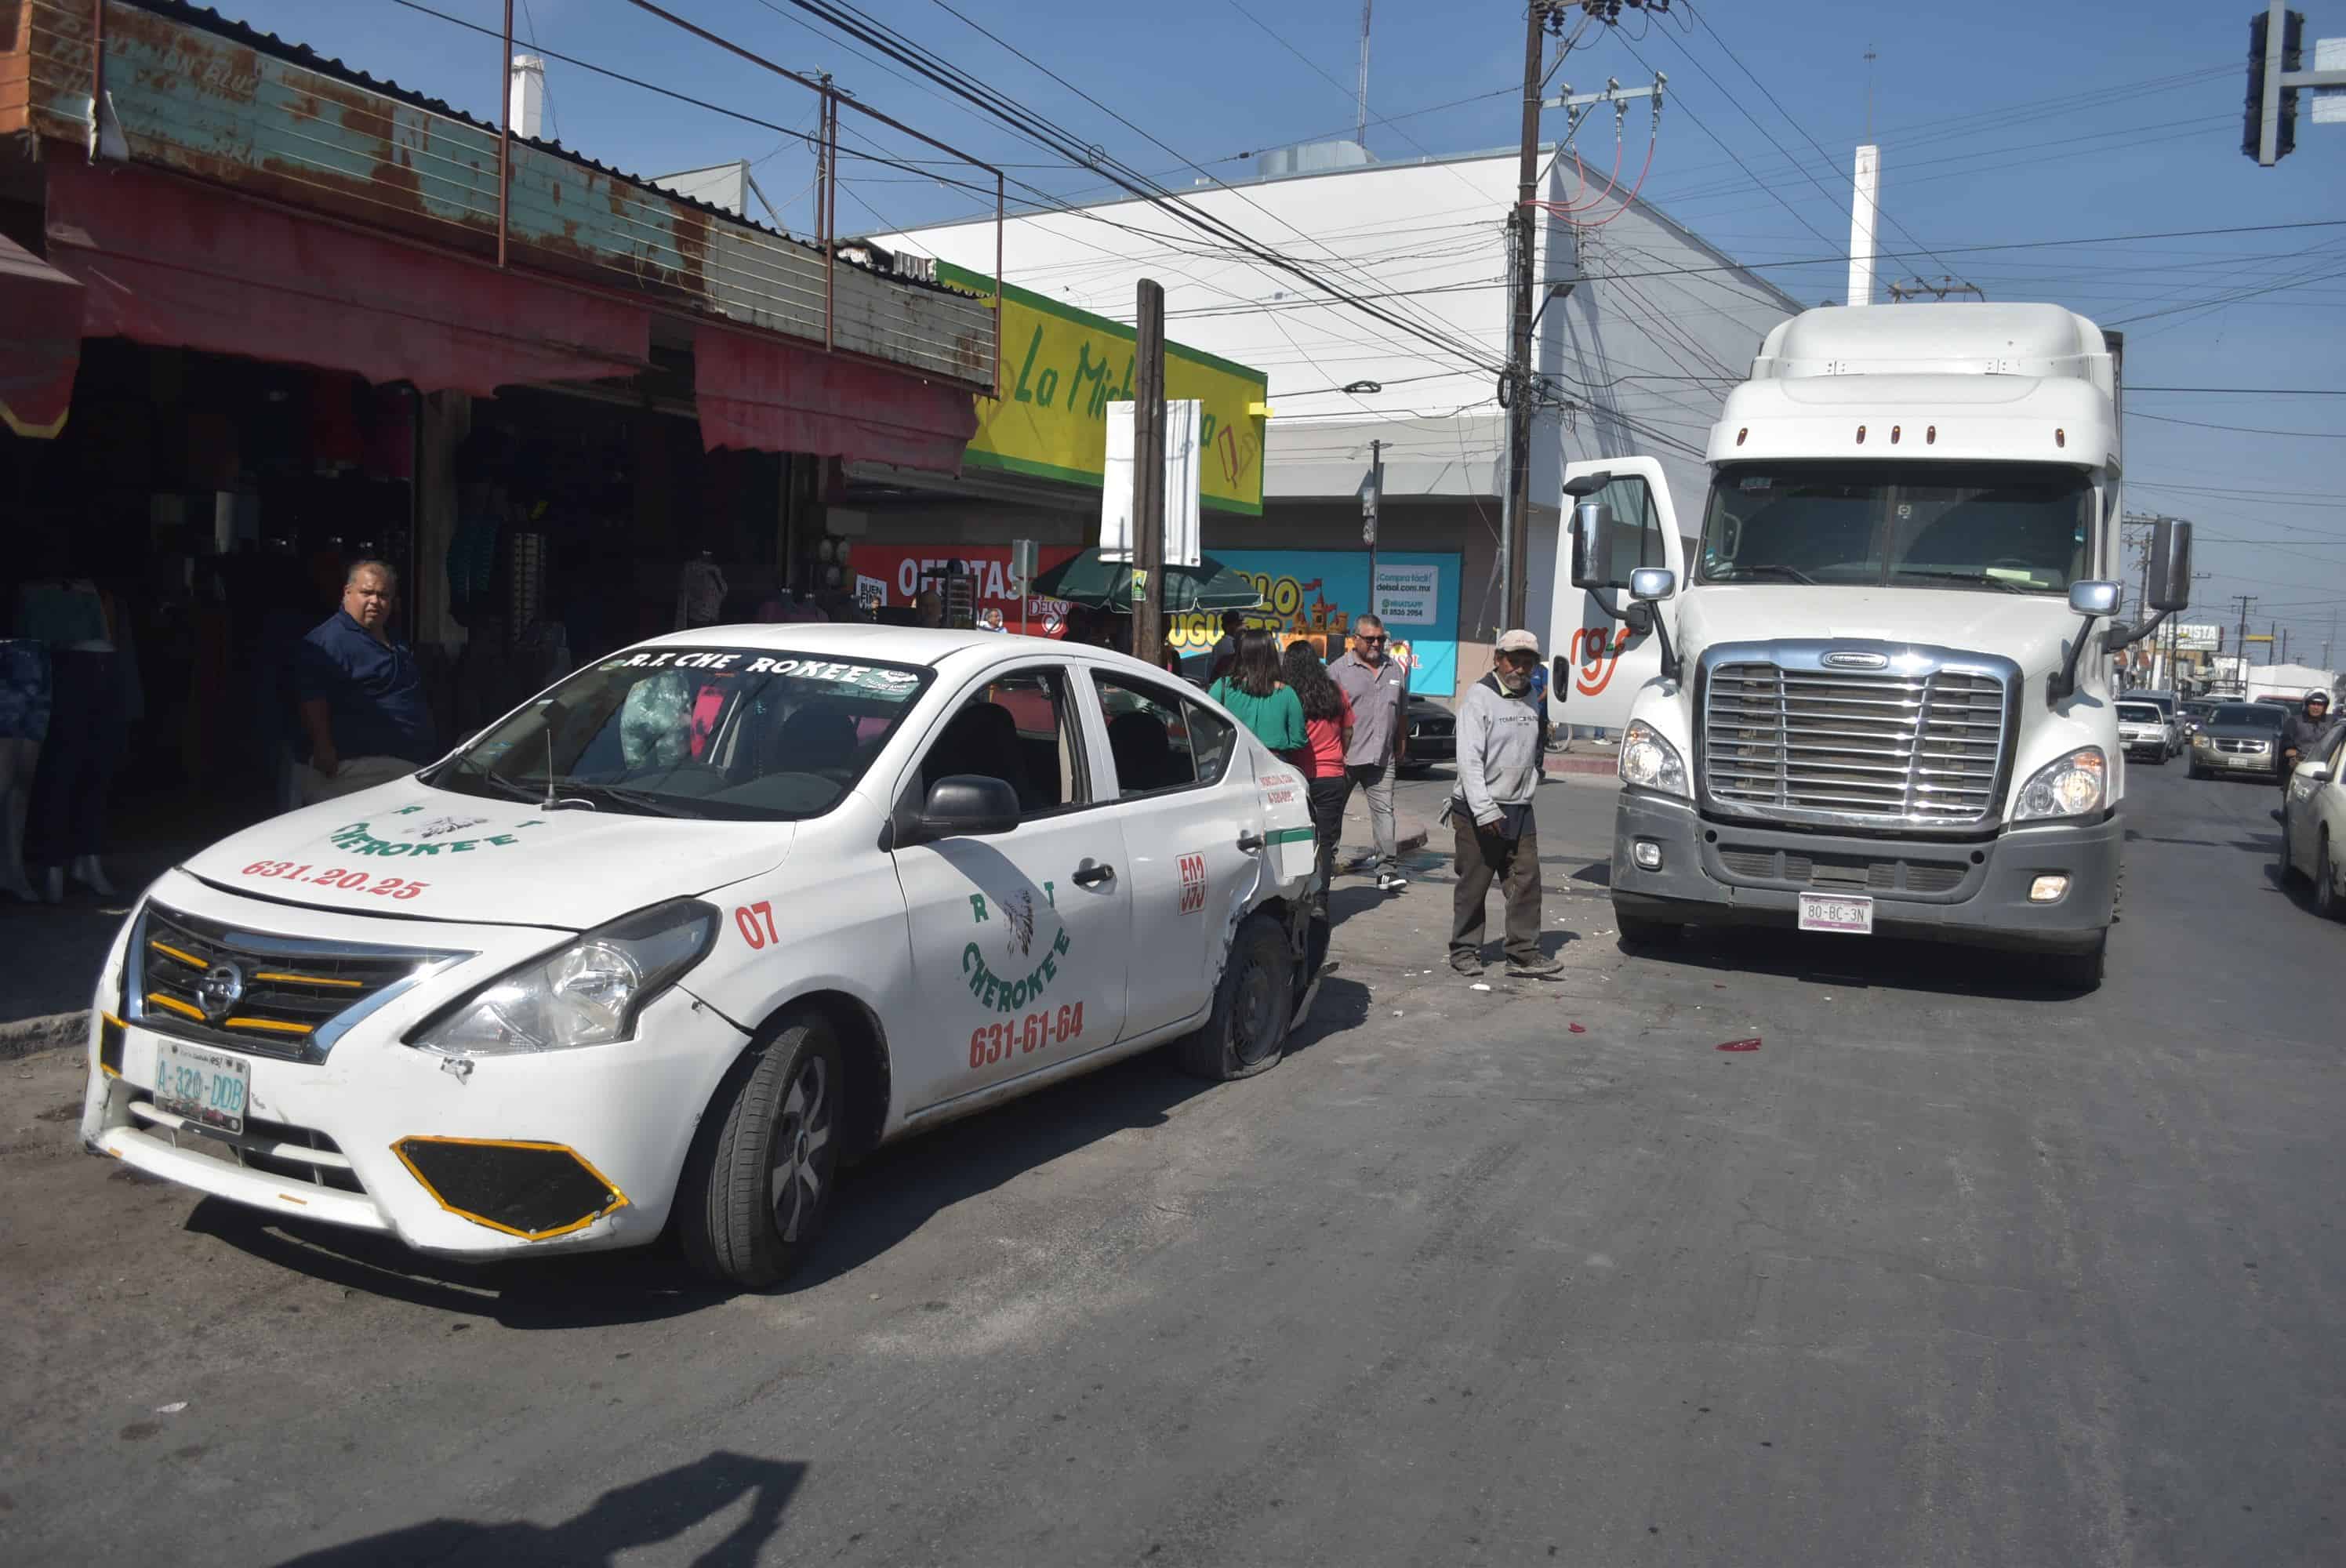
(2241, 739)
(1433, 737)
(2313, 824)
(2143, 732)
(2170, 715)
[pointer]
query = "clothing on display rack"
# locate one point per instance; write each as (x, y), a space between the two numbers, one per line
(24, 725)
(701, 591)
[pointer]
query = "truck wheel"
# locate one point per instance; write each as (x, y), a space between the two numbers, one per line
(757, 1185)
(2198, 771)
(1636, 931)
(2326, 902)
(1246, 1032)
(2079, 971)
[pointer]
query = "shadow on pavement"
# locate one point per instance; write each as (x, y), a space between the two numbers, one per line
(641, 1513)
(1888, 962)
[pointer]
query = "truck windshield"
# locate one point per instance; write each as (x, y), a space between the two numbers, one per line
(1999, 528)
(738, 734)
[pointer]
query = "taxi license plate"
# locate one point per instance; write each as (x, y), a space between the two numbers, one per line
(1825, 912)
(207, 1087)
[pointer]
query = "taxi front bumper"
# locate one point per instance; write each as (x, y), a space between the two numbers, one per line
(576, 1149)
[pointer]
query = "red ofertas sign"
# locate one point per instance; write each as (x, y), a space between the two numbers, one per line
(894, 573)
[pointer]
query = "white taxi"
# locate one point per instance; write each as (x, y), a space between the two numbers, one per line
(2313, 823)
(661, 947)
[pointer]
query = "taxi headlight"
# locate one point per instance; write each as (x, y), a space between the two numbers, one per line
(1649, 763)
(587, 994)
(2074, 786)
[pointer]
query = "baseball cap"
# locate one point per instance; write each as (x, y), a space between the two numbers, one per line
(1518, 641)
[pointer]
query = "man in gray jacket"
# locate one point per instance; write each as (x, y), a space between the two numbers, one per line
(1498, 770)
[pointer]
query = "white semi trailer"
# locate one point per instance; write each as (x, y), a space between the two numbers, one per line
(1876, 700)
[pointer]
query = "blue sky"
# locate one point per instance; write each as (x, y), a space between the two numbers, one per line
(1997, 127)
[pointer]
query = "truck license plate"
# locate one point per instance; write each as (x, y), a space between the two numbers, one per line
(207, 1087)
(1826, 912)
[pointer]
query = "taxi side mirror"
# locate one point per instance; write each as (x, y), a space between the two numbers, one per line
(967, 805)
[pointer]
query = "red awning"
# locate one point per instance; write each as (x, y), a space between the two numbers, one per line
(175, 264)
(40, 342)
(765, 394)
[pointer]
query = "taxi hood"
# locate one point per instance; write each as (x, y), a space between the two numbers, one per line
(2032, 630)
(406, 849)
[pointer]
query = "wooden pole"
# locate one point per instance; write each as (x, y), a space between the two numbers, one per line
(1148, 471)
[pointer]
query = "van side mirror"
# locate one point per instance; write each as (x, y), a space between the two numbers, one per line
(2170, 564)
(1592, 544)
(1648, 584)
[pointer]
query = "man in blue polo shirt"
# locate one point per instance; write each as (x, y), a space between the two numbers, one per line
(361, 694)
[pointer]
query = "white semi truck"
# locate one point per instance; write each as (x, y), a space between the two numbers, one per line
(1869, 690)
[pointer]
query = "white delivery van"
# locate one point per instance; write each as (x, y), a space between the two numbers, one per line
(1875, 698)
(661, 946)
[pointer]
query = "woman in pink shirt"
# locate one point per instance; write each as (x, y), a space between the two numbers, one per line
(1328, 731)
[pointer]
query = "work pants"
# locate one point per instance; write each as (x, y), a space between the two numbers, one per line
(1327, 827)
(1486, 856)
(1378, 781)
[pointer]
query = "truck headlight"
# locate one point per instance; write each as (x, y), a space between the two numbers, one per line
(1649, 763)
(587, 994)
(2074, 786)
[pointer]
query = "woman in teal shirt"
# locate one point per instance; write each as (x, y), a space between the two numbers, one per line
(1262, 701)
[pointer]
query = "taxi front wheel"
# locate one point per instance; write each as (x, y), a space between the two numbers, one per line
(757, 1185)
(1246, 1032)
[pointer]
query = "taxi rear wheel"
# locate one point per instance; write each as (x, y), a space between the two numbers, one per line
(757, 1185)
(1246, 1032)
(2327, 904)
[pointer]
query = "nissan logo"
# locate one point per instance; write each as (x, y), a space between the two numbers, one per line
(1852, 660)
(221, 989)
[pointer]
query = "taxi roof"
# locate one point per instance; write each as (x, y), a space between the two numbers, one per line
(858, 639)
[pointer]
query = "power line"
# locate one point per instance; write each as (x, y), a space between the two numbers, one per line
(2245, 428)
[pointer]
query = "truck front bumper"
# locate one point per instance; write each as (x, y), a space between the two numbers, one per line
(1729, 873)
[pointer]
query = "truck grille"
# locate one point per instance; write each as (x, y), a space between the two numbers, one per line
(2226, 743)
(288, 989)
(1893, 747)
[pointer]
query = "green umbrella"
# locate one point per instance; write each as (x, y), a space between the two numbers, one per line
(1086, 579)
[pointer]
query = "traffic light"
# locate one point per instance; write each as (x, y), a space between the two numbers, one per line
(2265, 90)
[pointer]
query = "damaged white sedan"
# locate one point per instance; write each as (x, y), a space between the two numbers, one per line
(662, 947)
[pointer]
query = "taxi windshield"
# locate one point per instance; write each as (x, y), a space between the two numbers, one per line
(732, 734)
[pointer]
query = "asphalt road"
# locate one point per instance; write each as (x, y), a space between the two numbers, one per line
(1952, 1270)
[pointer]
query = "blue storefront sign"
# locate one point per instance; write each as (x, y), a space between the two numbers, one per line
(1316, 594)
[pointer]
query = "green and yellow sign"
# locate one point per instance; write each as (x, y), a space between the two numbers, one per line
(1062, 367)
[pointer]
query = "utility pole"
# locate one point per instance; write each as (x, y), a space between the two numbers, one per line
(1148, 471)
(2240, 648)
(1372, 504)
(1361, 118)
(1514, 552)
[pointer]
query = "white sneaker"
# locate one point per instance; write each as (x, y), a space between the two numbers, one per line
(1392, 882)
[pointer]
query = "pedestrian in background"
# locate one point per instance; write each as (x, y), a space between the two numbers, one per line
(1226, 648)
(1378, 689)
(1491, 813)
(1256, 690)
(1328, 731)
(361, 694)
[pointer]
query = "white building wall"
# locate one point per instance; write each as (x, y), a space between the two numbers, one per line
(1656, 325)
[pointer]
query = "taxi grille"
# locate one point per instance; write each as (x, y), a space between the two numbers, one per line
(288, 989)
(1893, 747)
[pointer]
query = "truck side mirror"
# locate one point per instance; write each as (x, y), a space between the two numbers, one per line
(1592, 545)
(1648, 584)
(2095, 598)
(2170, 564)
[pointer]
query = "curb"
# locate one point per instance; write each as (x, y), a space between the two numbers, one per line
(1562, 762)
(25, 1037)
